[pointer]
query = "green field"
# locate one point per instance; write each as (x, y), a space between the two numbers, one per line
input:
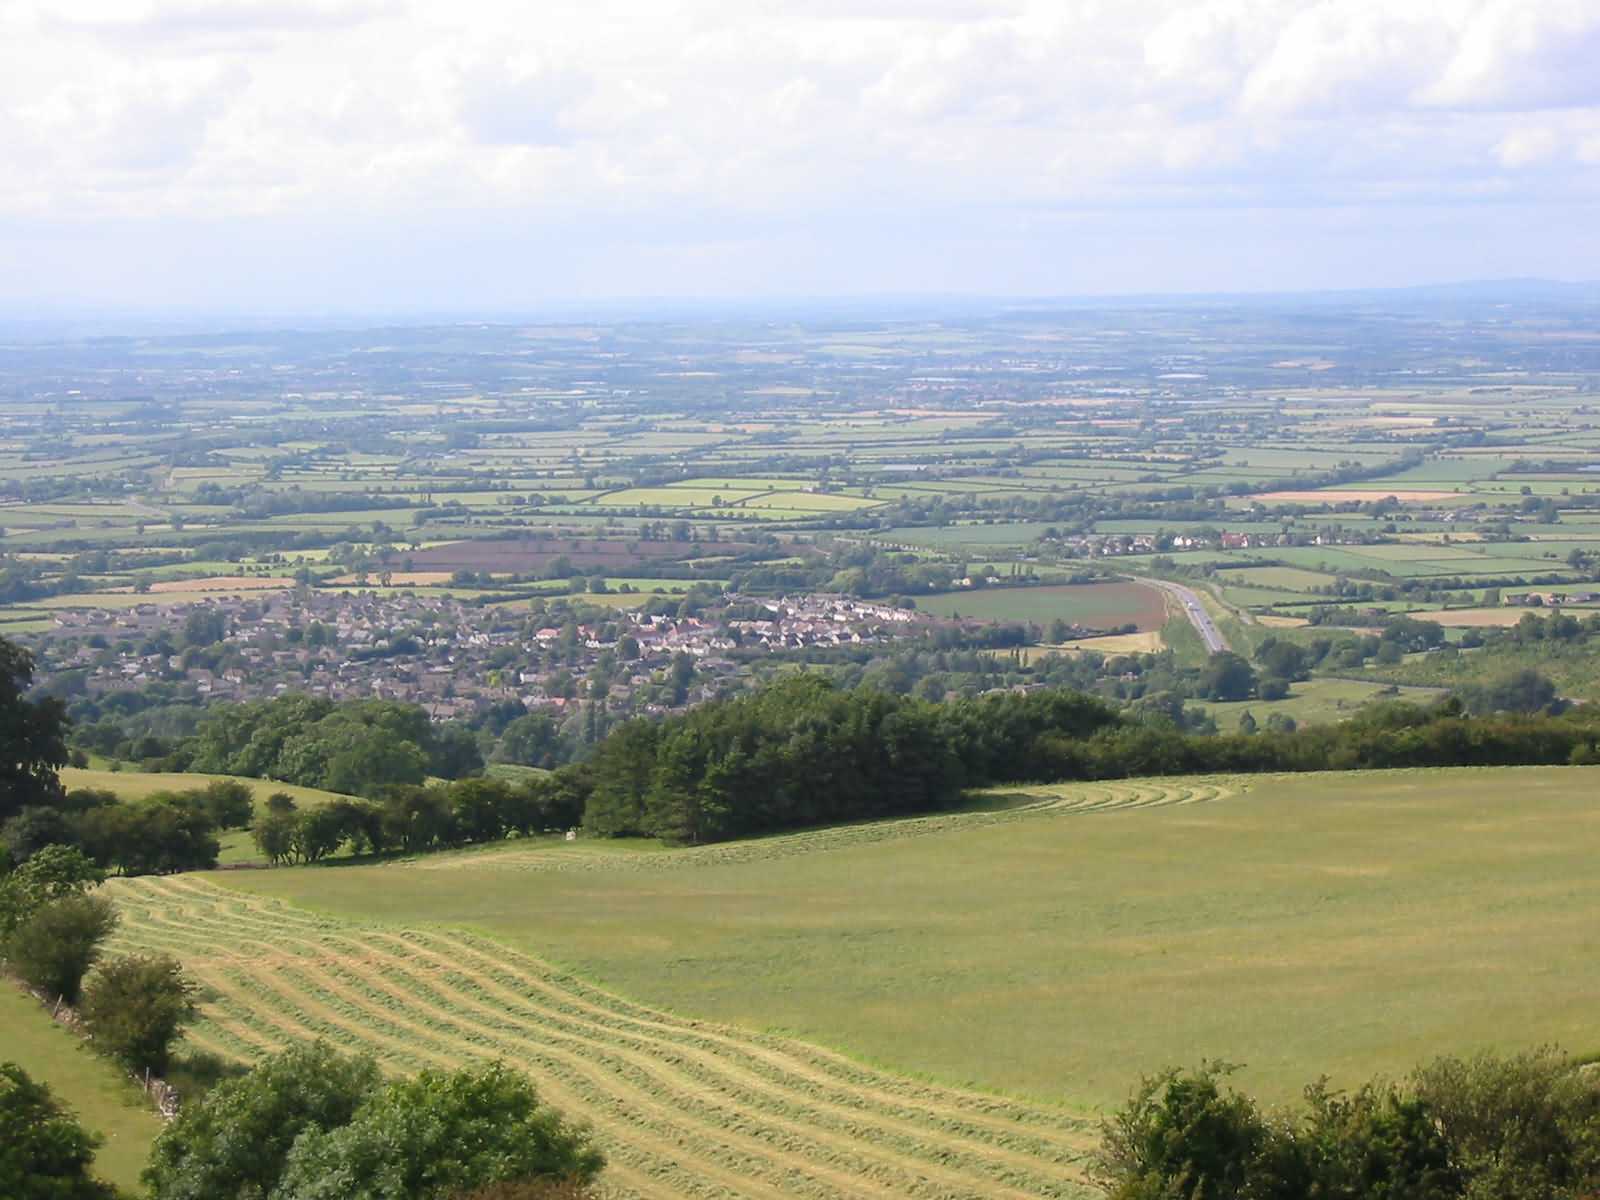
(104, 1100)
(1315, 702)
(1097, 604)
(1047, 949)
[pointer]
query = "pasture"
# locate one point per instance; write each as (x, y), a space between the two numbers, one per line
(104, 1100)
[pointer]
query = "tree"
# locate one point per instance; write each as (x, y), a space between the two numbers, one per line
(1227, 677)
(317, 833)
(1181, 1136)
(44, 1152)
(54, 947)
(453, 751)
(235, 1140)
(229, 803)
(274, 835)
(33, 743)
(135, 1007)
(533, 740)
(438, 1134)
(54, 873)
(31, 830)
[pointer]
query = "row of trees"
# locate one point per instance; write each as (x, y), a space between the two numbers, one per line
(1487, 1128)
(163, 832)
(802, 752)
(414, 819)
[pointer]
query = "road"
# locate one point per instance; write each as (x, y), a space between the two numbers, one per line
(1195, 611)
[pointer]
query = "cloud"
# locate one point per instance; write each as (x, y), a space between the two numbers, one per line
(165, 19)
(784, 115)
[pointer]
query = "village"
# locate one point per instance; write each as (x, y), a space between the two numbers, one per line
(450, 657)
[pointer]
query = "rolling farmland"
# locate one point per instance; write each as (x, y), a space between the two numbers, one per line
(714, 1010)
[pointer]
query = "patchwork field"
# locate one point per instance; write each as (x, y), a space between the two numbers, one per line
(1005, 971)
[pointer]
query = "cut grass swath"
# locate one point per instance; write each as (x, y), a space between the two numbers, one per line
(682, 1107)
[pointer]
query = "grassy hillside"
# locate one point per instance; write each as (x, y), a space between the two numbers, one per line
(96, 1091)
(682, 1107)
(1352, 923)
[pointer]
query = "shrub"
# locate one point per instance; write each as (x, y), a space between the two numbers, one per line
(436, 1135)
(1523, 1128)
(54, 873)
(53, 948)
(1182, 1136)
(135, 1008)
(44, 1152)
(235, 1139)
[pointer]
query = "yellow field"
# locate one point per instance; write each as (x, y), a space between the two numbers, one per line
(1476, 617)
(1148, 642)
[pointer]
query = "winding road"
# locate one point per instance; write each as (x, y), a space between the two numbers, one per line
(1194, 610)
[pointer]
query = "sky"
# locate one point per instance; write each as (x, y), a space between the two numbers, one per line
(486, 155)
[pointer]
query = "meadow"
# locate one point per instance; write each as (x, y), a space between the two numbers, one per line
(823, 1009)
(105, 1100)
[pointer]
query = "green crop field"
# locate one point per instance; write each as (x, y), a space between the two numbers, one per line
(104, 1100)
(934, 1006)
(1102, 604)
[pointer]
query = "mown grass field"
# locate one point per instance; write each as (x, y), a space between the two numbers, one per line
(1046, 949)
(683, 1107)
(104, 1100)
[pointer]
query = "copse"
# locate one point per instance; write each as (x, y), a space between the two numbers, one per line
(358, 747)
(803, 752)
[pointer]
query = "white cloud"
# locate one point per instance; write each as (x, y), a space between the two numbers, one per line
(779, 115)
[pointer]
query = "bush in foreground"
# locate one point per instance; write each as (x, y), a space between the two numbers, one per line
(1523, 1128)
(53, 948)
(135, 1008)
(44, 1152)
(438, 1134)
(235, 1140)
(310, 1124)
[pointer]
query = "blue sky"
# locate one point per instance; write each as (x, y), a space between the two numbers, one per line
(475, 155)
